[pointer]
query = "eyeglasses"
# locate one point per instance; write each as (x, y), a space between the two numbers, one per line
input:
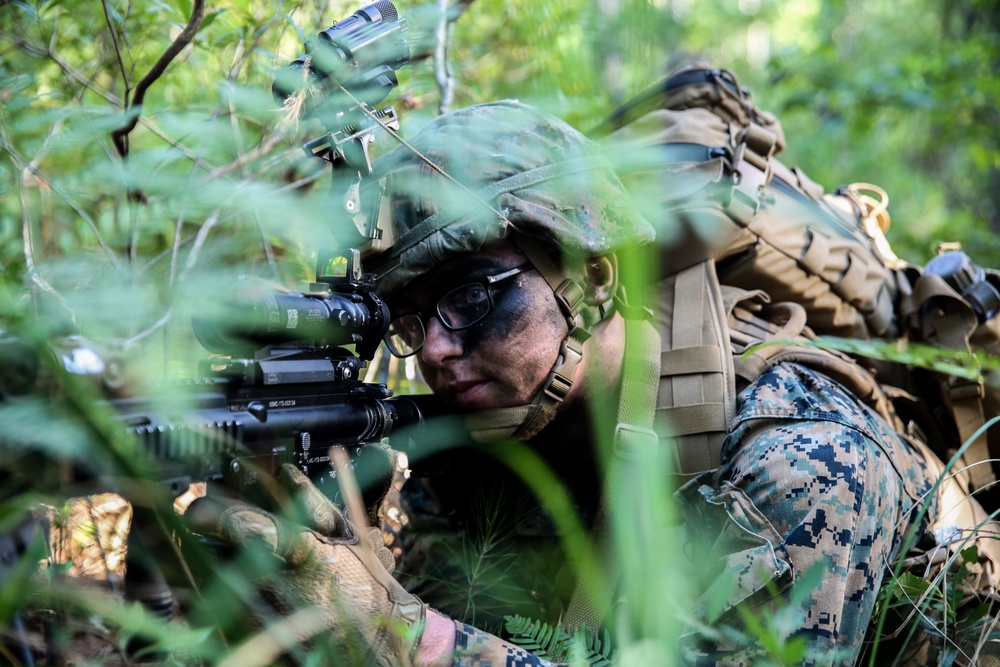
(459, 309)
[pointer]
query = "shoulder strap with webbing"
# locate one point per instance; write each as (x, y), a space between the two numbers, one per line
(941, 316)
(697, 395)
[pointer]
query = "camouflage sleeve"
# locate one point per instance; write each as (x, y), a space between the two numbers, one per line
(810, 477)
(475, 648)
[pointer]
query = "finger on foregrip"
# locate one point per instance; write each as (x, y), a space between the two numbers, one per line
(213, 516)
(317, 510)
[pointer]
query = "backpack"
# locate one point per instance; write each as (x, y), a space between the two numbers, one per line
(778, 256)
(755, 251)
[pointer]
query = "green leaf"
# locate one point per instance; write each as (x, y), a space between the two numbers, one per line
(116, 16)
(46, 5)
(27, 9)
(909, 586)
(557, 644)
(718, 595)
(807, 582)
(970, 554)
(211, 16)
(972, 620)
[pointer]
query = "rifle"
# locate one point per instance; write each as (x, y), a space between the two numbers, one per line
(287, 391)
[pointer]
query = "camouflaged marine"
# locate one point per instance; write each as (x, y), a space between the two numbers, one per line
(505, 284)
(508, 243)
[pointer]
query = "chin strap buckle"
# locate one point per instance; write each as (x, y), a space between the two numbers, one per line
(560, 379)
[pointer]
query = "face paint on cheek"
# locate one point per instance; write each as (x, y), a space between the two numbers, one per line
(506, 319)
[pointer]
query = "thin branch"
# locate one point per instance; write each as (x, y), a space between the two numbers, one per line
(114, 40)
(268, 249)
(26, 229)
(29, 252)
(442, 68)
(240, 59)
(160, 323)
(55, 32)
(31, 167)
(108, 96)
(234, 122)
(322, 13)
(128, 47)
(148, 266)
(176, 246)
(243, 159)
(199, 241)
(120, 135)
(245, 56)
(22, 43)
(302, 182)
(78, 94)
(81, 79)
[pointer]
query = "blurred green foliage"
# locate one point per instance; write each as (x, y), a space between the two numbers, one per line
(903, 95)
(900, 94)
(122, 234)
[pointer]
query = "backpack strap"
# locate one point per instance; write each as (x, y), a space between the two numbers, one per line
(697, 391)
(942, 317)
(752, 320)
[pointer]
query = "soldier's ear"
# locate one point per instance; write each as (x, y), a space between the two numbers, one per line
(601, 278)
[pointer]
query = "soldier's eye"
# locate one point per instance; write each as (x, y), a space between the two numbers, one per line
(464, 306)
(474, 295)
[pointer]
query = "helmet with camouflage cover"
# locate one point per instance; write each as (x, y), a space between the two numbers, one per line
(510, 168)
(507, 170)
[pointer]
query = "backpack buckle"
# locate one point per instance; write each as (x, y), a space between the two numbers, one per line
(752, 169)
(750, 174)
(961, 389)
(630, 440)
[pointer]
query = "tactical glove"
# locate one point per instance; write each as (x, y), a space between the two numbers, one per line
(326, 566)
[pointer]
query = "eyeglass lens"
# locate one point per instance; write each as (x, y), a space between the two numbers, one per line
(464, 306)
(405, 335)
(459, 309)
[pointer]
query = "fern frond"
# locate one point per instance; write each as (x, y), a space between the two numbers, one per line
(557, 643)
(598, 647)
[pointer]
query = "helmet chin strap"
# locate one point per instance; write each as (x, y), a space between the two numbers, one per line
(523, 422)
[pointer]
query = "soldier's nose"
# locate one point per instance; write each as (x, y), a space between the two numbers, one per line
(440, 344)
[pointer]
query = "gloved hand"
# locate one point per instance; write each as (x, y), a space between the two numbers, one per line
(328, 566)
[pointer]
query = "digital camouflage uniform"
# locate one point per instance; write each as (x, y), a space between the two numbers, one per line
(809, 475)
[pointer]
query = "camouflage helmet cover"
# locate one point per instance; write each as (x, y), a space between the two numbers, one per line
(545, 178)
